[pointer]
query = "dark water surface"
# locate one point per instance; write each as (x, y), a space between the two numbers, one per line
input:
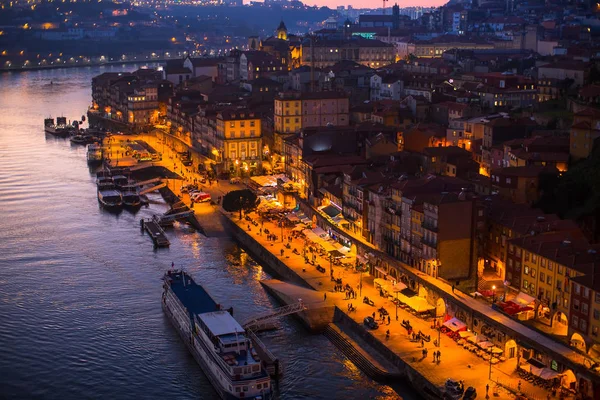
(80, 313)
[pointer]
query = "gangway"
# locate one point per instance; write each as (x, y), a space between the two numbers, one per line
(270, 362)
(153, 188)
(149, 181)
(258, 322)
(167, 219)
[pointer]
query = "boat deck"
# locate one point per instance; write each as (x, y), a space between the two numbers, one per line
(192, 296)
(156, 233)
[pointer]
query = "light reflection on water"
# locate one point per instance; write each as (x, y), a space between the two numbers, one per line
(80, 288)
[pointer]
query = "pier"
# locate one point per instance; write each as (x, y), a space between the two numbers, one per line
(157, 234)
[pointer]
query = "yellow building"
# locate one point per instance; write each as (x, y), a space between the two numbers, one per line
(547, 262)
(294, 111)
(239, 138)
(585, 129)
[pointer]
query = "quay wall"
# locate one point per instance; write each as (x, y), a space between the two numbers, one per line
(425, 388)
(265, 256)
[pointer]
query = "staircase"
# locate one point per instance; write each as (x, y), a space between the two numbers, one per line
(350, 350)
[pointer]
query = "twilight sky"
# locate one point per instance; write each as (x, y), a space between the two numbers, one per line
(375, 3)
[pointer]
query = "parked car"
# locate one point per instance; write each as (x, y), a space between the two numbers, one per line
(201, 197)
(370, 323)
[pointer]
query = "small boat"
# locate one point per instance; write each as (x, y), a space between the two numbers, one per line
(131, 197)
(61, 128)
(78, 139)
(105, 183)
(94, 154)
(120, 181)
(110, 199)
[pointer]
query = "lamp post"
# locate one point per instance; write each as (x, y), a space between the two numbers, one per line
(493, 293)
(330, 265)
(490, 374)
(439, 328)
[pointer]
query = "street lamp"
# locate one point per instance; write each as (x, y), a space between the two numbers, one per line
(490, 374)
(493, 293)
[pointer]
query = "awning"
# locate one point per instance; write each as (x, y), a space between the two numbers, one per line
(381, 270)
(398, 287)
(535, 363)
(339, 220)
(336, 254)
(306, 221)
(328, 247)
(384, 284)
(292, 218)
(485, 344)
(477, 339)
(331, 211)
(361, 258)
(496, 350)
(455, 325)
(344, 249)
(319, 231)
(417, 303)
(298, 228)
(465, 334)
(524, 299)
(310, 235)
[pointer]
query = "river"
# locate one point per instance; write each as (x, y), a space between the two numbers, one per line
(80, 313)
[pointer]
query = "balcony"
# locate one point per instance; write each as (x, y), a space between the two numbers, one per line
(429, 242)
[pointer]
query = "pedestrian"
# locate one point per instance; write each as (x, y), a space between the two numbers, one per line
(438, 356)
(172, 264)
(487, 389)
(422, 343)
(324, 296)
(373, 314)
(452, 288)
(389, 321)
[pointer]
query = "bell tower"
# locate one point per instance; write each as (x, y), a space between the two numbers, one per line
(282, 31)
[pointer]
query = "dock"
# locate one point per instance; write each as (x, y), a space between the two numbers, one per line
(157, 234)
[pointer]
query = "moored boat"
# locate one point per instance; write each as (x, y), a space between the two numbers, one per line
(131, 197)
(61, 128)
(94, 153)
(110, 199)
(215, 339)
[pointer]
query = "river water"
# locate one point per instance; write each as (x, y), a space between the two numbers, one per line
(80, 313)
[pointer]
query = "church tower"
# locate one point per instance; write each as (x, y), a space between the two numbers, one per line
(282, 31)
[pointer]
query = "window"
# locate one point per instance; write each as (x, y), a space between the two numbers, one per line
(526, 272)
(518, 252)
(584, 308)
(549, 280)
(543, 262)
(576, 288)
(561, 270)
(583, 325)
(508, 180)
(559, 284)
(595, 330)
(597, 298)
(532, 273)
(575, 321)
(576, 304)
(596, 313)
(251, 124)
(531, 288)
(242, 124)
(510, 262)
(526, 256)
(586, 293)
(550, 266)
(525, 284)
(533, 258)
(518, 266)
(542, 277)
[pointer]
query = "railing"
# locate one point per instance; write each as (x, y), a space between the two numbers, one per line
(515, 389)
(257, 321)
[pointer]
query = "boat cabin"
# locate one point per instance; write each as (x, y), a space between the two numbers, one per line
(230, 342)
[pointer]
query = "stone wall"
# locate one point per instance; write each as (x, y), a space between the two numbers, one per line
(425, 388)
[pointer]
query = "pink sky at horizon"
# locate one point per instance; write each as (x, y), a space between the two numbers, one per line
(374, 4)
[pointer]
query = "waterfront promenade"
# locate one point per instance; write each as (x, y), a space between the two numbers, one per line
(456, 362)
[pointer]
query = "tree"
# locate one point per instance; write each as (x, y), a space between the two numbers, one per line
(238, 200)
